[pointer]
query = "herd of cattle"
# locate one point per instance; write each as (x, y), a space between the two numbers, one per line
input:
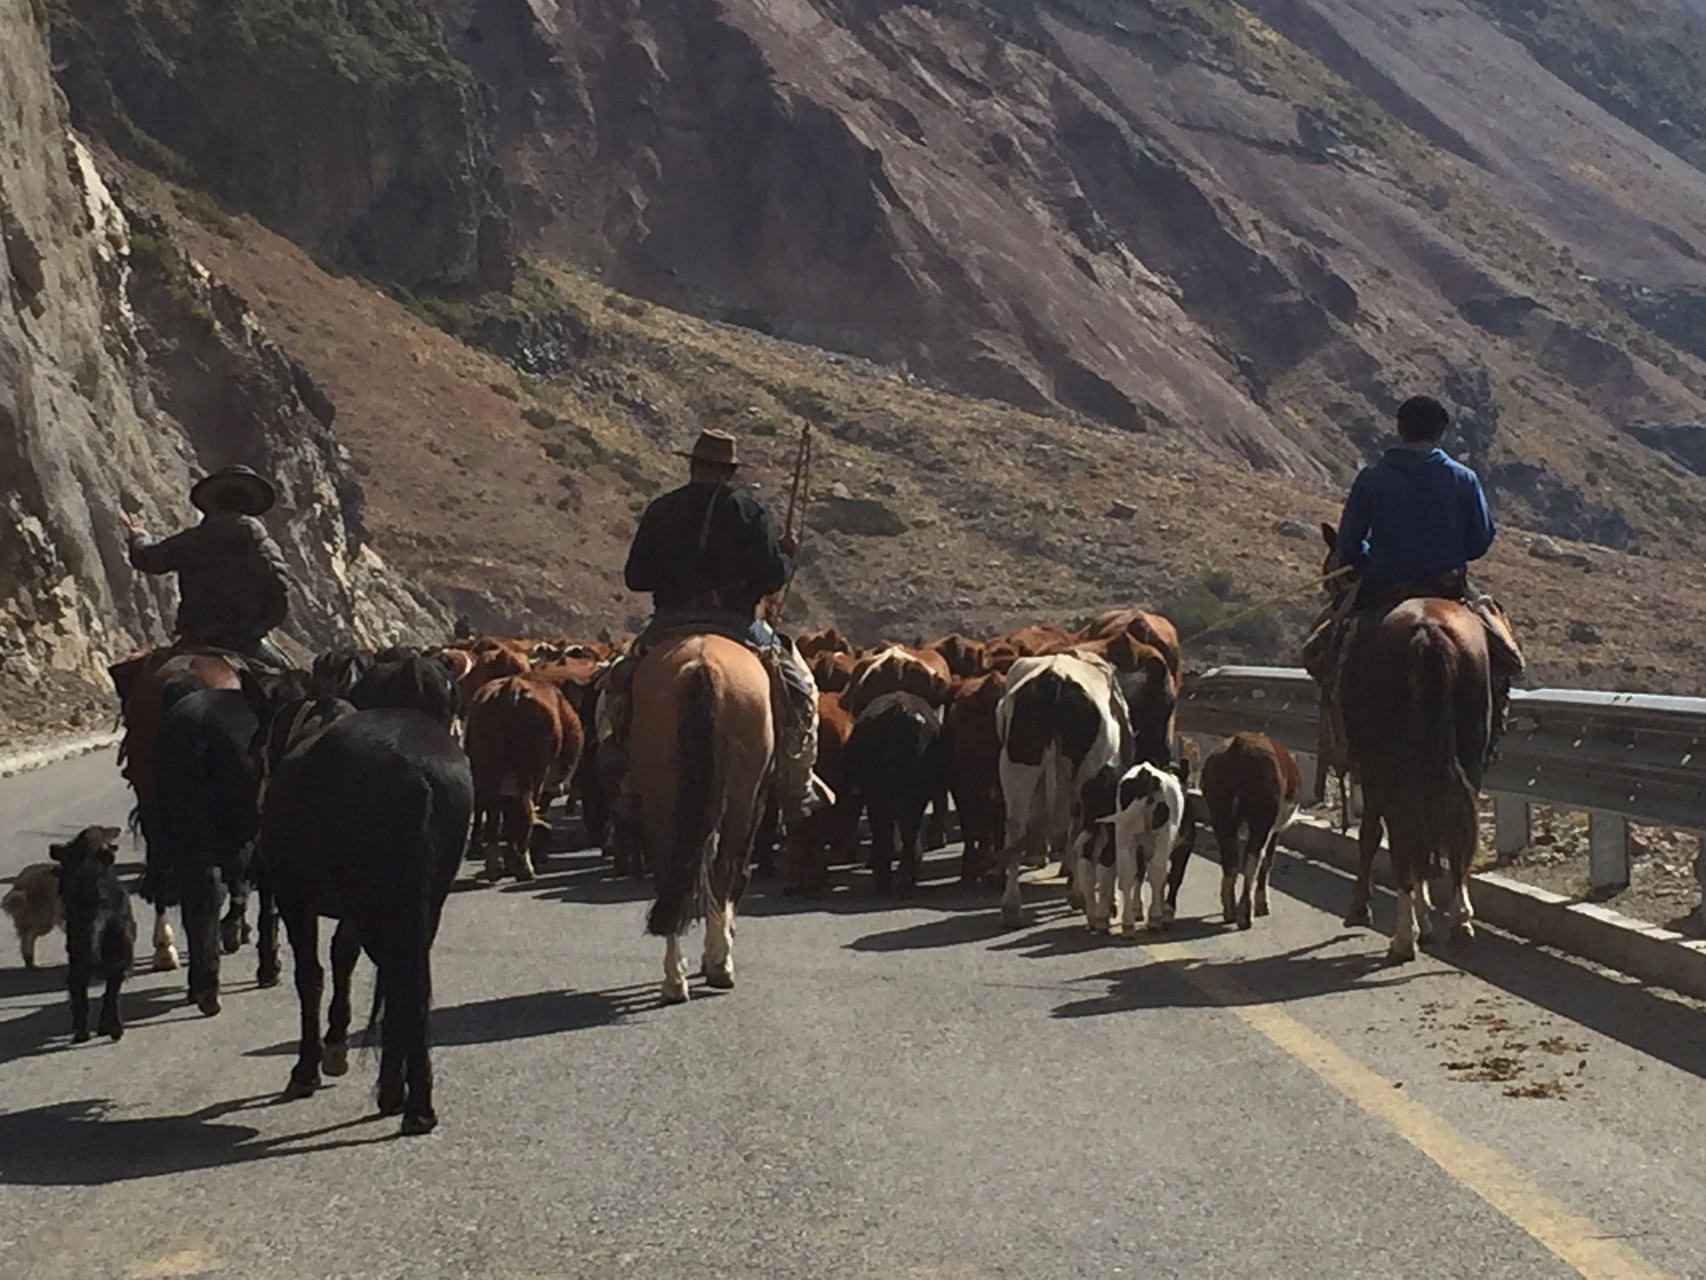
(350, 791)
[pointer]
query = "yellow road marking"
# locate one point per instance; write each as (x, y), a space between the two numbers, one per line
(1573, 1239)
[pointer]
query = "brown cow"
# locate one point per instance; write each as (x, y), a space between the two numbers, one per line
(1251, 782)
(523, 738)
(1037, 641)
(813, 643)
(833, 670)
(1151, 692)
(966, 658)
(829, 835)
(1146, 628)
(492, 661)
(923, 673)
(974, 772)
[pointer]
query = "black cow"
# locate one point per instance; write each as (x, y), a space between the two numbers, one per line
(100, 932)
(366, 820)
(202, 847)
(410, 683)
(896, 763)
(337, 671)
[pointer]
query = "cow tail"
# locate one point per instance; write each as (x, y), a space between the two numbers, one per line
(682, 870)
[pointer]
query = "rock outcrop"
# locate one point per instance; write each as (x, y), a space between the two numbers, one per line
(344, 124)
(124, 369)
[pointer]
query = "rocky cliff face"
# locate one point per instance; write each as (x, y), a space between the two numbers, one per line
(1256, 225)
(124, 369)
(346, 125)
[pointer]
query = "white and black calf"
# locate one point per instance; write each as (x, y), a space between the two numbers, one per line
(1147, 819)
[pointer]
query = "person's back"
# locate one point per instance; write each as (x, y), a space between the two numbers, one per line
(233, 585)
(1417, 516)
(706, 548)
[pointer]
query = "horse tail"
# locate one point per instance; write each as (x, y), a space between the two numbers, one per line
(683, 867)
(1444, 795)
(402, 994)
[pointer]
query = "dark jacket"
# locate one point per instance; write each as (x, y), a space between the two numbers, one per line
(707, 547)
(1414, 515)
(233, 586)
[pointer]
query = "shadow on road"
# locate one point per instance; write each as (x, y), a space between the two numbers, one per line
(76, 1144)
(518, 1017)
(48, 1028)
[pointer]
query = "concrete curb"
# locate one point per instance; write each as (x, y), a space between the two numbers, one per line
(1643, 951)
(54, 752)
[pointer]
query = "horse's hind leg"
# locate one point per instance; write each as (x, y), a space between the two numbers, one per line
(674, 971)
(1368, 844)
(1404, 868)
(165, 946)
(346, 948)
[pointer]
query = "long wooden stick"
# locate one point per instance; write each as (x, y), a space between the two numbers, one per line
(793, 524)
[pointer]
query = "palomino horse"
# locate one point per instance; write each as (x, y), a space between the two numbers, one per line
(1418, 715)
(699, 747)
(143, 682)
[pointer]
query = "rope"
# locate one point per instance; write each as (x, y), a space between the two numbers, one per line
(1313, 585)
(801, 487)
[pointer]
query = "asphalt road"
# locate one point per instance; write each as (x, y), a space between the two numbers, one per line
(892, 1091)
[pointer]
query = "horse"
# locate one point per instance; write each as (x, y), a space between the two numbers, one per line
(144, 683)
(700, 748)
(1418, 719)
(365, 819)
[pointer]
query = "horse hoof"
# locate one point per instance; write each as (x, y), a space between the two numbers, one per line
(1400, 955)
(675, 993)
(334, 1058)
(719, 979)
(415, 1125)
(297, 1088)
(166, 960)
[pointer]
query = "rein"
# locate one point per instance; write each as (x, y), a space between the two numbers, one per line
(1313, 585)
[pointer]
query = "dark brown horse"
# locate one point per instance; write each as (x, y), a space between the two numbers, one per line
(1418, 716)
(700, 748)
(144, 682)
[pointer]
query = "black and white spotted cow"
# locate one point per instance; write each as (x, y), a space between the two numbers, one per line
(1061, 722)
(1149, 816)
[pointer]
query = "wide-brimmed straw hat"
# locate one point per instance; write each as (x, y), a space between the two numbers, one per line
(714, 447)
(234, 489)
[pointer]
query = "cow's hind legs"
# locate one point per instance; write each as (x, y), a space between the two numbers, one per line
(304, 930)
(346, 948)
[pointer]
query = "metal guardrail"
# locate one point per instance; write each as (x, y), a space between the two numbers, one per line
(1617, 756)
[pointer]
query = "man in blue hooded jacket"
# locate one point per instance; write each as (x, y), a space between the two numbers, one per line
(1411, 526)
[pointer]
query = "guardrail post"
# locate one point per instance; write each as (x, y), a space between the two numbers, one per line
(1512, 818)
(1608, 850)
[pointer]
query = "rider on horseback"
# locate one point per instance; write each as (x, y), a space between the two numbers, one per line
(709, 554)
(1411, 525)
(233, 586)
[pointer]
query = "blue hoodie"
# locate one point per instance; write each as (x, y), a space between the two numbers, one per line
(1414, 514)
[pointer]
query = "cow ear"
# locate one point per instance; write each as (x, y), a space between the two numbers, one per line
(57, 852)
(1330, 536)
(1158, 817)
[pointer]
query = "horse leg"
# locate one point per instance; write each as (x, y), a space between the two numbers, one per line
(165, 947)
(303, 926)
(201, 889)
(1368, 844)
(1403, 946)
(718, 962)
(674, 971)
(1461, 862)
(346, 947)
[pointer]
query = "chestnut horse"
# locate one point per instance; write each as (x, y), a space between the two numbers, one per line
(143, 683)
(1418, 716)
(699, 748)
